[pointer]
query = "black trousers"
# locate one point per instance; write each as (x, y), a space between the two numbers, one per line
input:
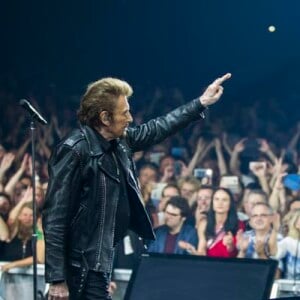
(87, 285)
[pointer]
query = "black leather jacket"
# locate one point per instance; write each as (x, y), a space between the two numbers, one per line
(81, 201)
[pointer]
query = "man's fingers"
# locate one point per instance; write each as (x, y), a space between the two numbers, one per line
(218, 93)
(220, 80)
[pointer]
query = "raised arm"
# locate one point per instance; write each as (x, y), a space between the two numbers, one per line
(16, 177)
(265, 148)
(5, 164)
(259, 169)
(220, 157)
(158, 129)
(201, 151)
(234, 163)
(295, 139)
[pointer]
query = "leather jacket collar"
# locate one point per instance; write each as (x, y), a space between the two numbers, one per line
(97, 145)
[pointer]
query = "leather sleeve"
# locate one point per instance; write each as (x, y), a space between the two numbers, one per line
(65, 174)
(156, 130)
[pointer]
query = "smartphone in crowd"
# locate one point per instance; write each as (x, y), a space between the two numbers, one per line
(255, 165)
(177, 168)
(231, 183)
(202, 173)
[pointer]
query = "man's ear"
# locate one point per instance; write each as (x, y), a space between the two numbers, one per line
(105, 118)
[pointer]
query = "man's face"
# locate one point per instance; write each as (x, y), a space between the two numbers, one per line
(121, 118)
(166, 162)
(261, 218)
(165, 197)
(173, 218)
(4, 205)
(203, 199)
(187, 190)
(147, 175)
(251, 200)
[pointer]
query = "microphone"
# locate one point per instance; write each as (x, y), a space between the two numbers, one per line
(32, 111)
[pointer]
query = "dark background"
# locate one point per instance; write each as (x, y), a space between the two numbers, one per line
(183, 44)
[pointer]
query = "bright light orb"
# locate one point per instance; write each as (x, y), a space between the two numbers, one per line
(271, 28)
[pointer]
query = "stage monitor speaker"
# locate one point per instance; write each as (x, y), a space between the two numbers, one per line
(182, 277)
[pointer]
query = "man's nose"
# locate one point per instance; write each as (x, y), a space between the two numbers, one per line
(130, 119)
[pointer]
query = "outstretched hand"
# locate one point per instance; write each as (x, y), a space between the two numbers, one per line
(214, 91)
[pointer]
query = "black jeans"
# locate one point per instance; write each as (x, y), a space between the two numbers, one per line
(87, 285)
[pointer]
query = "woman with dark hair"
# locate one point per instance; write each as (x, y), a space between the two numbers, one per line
(217, 233)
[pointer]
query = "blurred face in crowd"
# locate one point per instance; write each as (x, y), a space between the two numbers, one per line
(39, 196)
(167, 193)
(4, 205)
(26, 217)
(251, 200)
(187, 190)
(295, 205)
(167, 161)
(261, 218)
(147, 175)
(19, 192)
(221, 202)
(173, 218)
(203, 199)
(297, 224)
(2, 151)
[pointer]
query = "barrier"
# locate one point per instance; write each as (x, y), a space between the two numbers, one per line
(18, 284)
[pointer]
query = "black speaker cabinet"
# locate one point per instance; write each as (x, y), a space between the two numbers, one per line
(189, 277)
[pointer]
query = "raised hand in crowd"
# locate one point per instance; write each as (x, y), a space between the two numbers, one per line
(265, 148)
(234, 163)
(259, 169)
(220, 157)
(5, 164)
(295, 139)
(168, 174)
(9, 188)
(202, 148)
(277, 198)
(225, 143)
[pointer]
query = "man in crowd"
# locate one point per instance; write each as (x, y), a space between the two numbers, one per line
(175, 229)
(93, 195)
(261, 241)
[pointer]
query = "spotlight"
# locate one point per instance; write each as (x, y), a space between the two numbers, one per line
(271, 28)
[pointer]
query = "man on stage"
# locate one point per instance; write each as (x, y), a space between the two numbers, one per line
(93, 196)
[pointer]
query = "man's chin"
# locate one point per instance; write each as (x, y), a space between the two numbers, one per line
(123, 135)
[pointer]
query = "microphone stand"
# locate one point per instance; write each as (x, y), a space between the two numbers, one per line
(35, 116)
(34, 231)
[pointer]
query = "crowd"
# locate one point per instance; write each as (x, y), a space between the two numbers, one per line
(225, 187)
